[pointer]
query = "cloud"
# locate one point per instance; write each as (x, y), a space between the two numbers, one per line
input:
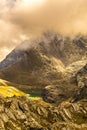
(18, 20)
(66, 17)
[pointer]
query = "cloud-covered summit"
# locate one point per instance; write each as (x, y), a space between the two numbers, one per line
(20, 19)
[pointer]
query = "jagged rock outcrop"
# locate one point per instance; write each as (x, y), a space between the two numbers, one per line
(79, 94)
(56, 93)
(21, 113)
(81, 80)
(81, 76)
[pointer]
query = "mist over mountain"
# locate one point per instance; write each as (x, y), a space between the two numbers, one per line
(45, 60)
(22, 19)
(56, 68)
(43, 65)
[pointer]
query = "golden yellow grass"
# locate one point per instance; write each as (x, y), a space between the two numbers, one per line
(9, 91)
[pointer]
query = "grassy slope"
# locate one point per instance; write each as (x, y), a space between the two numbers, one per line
(9, 91)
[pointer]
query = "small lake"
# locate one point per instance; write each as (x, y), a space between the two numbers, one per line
(34, 93)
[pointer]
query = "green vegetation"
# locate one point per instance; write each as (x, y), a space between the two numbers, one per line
(7, 90)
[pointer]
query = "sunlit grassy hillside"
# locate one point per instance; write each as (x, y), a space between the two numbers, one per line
(9, 91)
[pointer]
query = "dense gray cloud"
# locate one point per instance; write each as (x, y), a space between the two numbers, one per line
(19, 21)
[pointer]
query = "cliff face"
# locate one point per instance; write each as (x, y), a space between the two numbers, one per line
(21, 113)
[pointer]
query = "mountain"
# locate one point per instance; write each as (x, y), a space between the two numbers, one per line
(56, 68)
(41, 62)
(51, 61)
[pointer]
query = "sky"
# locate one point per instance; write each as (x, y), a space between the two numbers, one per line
(23, 19)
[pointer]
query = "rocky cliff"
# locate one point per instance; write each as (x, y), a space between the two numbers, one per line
(21, 113)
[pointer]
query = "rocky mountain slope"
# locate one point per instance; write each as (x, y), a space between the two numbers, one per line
(21, 113)
(58, 67)
(74, 84)
(45, 61)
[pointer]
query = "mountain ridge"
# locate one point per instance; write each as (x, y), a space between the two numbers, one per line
(49, 60)
(57, 69)
(51, 50)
